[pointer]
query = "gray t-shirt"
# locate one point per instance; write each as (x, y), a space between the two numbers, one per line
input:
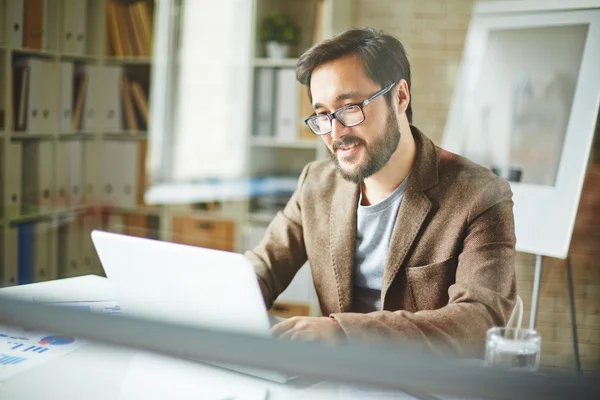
(374, 227)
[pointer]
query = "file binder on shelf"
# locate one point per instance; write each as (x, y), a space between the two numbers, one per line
(43, 263)
(33, 24)
(92, 177)
(69, 248)
(38, 180)
(9, 257)
(73, 37)
(2, 29)
(286, 112)
(91, 262)
(120, 173)
(15, 21)
(92, 116)
(264, 105)
(13, 185)
(111, 105)
(69, 177)
(67, 76)
(3, 78)
(25, 252)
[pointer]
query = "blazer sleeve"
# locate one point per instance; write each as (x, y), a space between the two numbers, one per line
(281, 252)
(483, 294)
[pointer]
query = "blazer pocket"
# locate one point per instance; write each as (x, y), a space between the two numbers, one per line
(429, 284)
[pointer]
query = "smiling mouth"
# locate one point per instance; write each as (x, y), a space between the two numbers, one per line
(346, 147)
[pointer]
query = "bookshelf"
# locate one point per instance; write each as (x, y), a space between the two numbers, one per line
(71, 154)
(101, 153)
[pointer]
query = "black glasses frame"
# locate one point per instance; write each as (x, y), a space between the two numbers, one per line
(334, 115)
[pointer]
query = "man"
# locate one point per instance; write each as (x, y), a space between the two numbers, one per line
(405, 240)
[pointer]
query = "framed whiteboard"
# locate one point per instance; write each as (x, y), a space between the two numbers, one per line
(525, 106)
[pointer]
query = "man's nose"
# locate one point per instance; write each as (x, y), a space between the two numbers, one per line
(337, 129)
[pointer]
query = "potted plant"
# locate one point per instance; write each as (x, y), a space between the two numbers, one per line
(278, 31)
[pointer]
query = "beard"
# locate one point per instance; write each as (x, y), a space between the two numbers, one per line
(377, 153)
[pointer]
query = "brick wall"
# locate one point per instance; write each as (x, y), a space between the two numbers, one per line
(433, 32)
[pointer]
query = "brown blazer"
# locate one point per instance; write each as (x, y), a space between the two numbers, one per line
(450, 270)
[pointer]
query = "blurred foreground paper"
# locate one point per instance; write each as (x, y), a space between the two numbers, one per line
(152, 376)
(21, 350)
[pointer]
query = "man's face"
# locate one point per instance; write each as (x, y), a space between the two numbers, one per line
(359, 151)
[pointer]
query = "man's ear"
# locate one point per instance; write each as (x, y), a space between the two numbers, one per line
(402, 95)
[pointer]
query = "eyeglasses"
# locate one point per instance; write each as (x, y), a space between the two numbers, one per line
(350, 115)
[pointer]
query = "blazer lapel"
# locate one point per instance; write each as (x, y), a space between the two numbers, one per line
(342, 240)
(414, 209)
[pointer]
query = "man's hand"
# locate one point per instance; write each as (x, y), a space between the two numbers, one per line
(308, 328)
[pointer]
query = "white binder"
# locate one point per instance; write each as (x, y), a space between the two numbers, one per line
(69, 176)
(112, 164)
(286, 109)
(3, 110)
(47, 197)
(73, 33)
(2, 41)
(75, 173)
(90, 261)
(264, 111)
(15, 20)
(92, 173)
(93, 98)
(10, 257)
(38, 180)
(120, 171)
(111, 107)
(13, 188)
(35, 96)
(50, 24)
(66, 97)
(62, 174)
(69, 249)
(128, 178)
(51, 97)
(43, 265)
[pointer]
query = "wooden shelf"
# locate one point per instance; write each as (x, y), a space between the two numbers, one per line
(125, 135)
(272, 142)
(31, 217)
(36, 52)
(129, 60)
(276, 63)
(76, 136)
(32, 136)
(77, 57)
(72, 210)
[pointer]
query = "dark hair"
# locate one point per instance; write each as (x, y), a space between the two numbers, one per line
(384, 58)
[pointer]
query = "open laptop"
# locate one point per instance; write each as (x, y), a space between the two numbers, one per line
(187, 285)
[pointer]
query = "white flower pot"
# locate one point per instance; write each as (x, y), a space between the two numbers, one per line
(277, 50)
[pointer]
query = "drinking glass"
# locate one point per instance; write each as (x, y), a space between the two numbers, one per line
(513, 348)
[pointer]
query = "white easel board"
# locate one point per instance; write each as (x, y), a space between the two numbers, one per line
(525, 105)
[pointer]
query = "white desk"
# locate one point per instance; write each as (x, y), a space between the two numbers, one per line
(98, 371)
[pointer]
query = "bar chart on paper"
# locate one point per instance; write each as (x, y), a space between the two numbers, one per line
(21, 350)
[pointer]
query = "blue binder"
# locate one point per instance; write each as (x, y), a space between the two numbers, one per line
(25, 251)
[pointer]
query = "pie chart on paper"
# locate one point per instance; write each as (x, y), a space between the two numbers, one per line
(56, 340)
